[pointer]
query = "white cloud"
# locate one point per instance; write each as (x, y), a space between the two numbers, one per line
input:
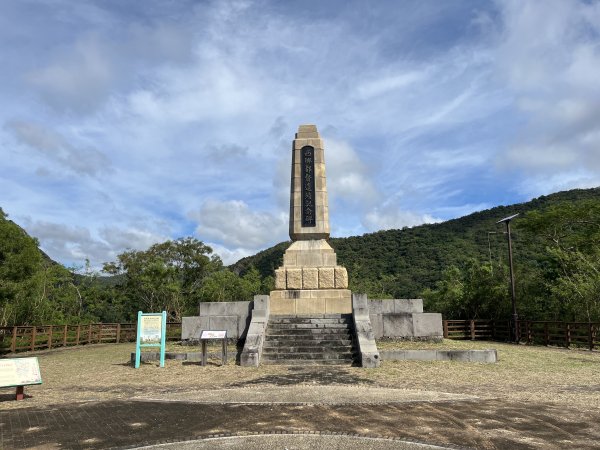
(80, 76)
(386, 218)
(120, 239)
(73, 244)
(234, 224)
(80, 159)
(389, 83)
(78, 80)
(348, 177)
(549, 55)
(163, 106)
(231, 255)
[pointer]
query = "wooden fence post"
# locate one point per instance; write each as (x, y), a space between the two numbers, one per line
(568, 335)
(65, 335)
(13, 341)
(118, 332)
(546, 335)
(50, 337)
(33, 330)
(591, 336)
(528, 331)
(89, 341)
(78, 334)
(445, 326)
(472, 329)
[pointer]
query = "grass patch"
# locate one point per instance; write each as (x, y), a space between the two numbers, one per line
(521, 373)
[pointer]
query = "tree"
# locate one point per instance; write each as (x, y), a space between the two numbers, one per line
(475, 291)
(571, 233)
(225, 285)
(168, 276)
(33, 289)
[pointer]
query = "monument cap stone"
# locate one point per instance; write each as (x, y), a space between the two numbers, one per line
(309, 211)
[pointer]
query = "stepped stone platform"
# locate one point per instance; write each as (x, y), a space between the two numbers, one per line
(314, 339)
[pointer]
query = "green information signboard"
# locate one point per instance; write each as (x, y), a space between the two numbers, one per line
(151, 332)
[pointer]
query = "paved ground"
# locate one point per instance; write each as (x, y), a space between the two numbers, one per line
(401, 415)
(534, 398)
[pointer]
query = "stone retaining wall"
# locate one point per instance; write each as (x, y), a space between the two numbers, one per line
(231, 316)
(404, 318)
(395, 318)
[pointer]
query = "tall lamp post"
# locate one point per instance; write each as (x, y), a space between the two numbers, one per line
(515, 318)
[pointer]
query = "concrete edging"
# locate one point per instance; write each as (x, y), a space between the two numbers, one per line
(365, 338)
(180, 356)
(482, 356)
(255, 338)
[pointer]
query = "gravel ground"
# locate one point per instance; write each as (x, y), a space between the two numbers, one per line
(534, 397)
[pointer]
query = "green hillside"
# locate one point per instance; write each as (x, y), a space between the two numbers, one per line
(404, 263)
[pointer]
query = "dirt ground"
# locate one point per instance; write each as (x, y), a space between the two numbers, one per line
(534, 397)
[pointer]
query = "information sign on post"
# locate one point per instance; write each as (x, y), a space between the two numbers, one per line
(19, 372)
(210, 335)
(151, 332)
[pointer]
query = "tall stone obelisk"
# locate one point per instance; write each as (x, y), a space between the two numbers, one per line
(310, 281)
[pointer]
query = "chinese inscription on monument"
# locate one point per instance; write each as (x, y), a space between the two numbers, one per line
(308, 187)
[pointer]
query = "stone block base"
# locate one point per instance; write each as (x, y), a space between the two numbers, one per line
(481, 356)
(311, 301)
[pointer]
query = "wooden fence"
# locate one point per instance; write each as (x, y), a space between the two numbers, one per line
(42, 337)
(562, 334)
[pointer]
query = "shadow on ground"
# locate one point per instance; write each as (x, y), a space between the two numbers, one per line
(301, 375)
(489, 424)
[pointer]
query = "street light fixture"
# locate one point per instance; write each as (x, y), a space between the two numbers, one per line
(507, 220)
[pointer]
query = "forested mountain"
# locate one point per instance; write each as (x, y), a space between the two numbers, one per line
(417, 256)
(413, 261)
(459, 267)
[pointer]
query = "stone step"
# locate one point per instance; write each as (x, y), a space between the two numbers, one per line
(293, 326)
(307, 349)
(308, 356)
(306, 342)
(312, 337)
(307, 331)
(309, 340)
(308, 362)
(344, 320)
(311, 316)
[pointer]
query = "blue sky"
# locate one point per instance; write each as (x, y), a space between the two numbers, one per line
(125, 123)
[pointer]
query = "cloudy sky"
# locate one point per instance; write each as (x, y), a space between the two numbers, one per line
(125, 123)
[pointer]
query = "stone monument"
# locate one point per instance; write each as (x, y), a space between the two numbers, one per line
(310, 280)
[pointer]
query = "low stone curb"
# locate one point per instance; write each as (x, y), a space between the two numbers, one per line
(482, 356)
(242, 435)
(182, 356)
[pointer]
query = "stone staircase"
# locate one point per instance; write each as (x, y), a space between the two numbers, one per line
(309, 340)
